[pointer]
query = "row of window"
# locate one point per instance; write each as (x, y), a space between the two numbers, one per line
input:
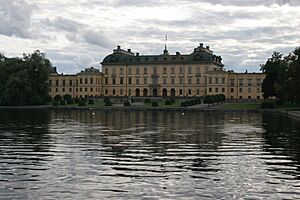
(249, 82)
(145, 92)
(154, 70)
(80, 81)
(258, 90)
(145, 81)
(77, 89)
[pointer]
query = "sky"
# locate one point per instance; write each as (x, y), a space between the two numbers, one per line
(79, 34)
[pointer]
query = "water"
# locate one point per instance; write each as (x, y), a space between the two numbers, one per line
(148, 155)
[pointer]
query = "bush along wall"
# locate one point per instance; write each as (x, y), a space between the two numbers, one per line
(192, 102)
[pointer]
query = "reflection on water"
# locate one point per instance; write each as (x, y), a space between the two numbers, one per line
(148, 155)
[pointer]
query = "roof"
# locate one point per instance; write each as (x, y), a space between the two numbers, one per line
(199, 55)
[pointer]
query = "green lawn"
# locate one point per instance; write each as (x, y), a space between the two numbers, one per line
(242, 106)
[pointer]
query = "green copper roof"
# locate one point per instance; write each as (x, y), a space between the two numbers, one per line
(200, 55)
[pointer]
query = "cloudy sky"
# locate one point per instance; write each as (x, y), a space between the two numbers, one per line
(78, 34)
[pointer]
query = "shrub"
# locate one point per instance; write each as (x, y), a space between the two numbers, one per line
(126, 103)
(147, 101)
(268, 104)
(172, 100)
(223, 97)
(91, 101)
(57, 98)
(154, 104)
(82, 102)
(183, 104)
(67, 97)
(168, 102)
(70, 101)
(106, 100)
(62, 102)
(108, 103)
(55, 103)
(208, 99)
(77, 100)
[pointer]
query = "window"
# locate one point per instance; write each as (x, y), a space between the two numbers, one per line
(80, 81)
(137, 81)
(70, 89)
(172, 70)
(249, 90)
(258, 90)
(189, 80)
(249, 82)
(86, 81)
(180, 80)
(85, 89)
(106, 81)
(121, 71)
(190, 91)
(240, 97)
(249, 97)
(113, 71)
(198, 92)
(240, 82)
(232, 90)
(190, 70)
(223, 80)
(91, 89)
(180, 92)
(206, 68)
(164, 81)
(198, 70)
(145, 81)
(92, 80)
(145, 70)
(155, 70)
(106, 91)
(231, 82)
(216, 89)
(64, 82)
(106, 70)
(114, 81)
(129, 81)
(258, 97)
(181, 70)
(223, 89)
(209, 89)
(137, 70)
(114, 91)
(241, 90)
(63, 89)
(121, 81)
(209, 80)
(129, 70)
(258, 82)
(57, 82)
(198, 80)
(172, 81)
(80, 89)
(70, 82)
(50, 82)
(164, 70)
(217, 80)
(56, 89)
(129, 92)
(121, 91)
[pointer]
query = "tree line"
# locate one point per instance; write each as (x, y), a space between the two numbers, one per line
(282, 77)
(24, 80)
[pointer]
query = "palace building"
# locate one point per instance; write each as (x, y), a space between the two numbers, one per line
(125, 73)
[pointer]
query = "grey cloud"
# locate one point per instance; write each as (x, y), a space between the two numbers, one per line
(15, 18)
(96, 38)
(64, 24)
(248, 2)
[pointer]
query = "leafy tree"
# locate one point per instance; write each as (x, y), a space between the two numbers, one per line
(276, 72)
(24, 81)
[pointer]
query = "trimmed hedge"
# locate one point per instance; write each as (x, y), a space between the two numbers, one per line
(126, 103)
(154, 104)
(91, 102)
(147, 101)
(55, 103)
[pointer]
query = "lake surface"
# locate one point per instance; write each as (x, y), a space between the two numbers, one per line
(148, 155)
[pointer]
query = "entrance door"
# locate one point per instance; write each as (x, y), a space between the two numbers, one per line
(154, 92)
(173, 92)
(165, 92)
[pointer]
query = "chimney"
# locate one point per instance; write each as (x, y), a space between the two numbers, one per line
(118, 47)
(177, 53)
(207, 47)
(137, 54)
(201, 44)
(129, 50)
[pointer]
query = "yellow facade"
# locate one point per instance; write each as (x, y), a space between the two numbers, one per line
(87, 83)
(127, 74)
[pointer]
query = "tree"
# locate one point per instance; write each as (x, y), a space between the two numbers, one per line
(24, 81)
(276, 73)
